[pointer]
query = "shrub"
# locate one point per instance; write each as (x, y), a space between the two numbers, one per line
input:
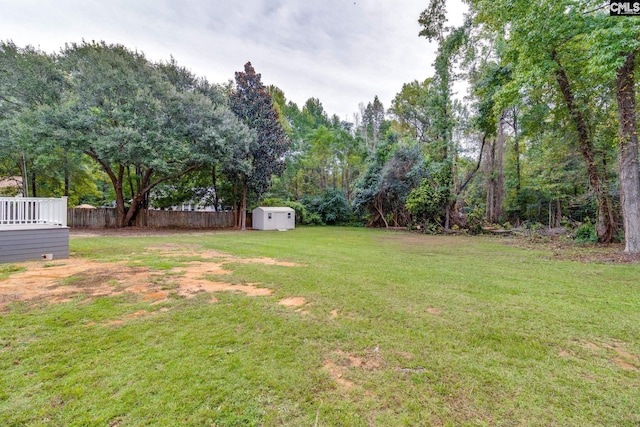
(332, 207)
(586, 233)
(313, 219)
(302, 215)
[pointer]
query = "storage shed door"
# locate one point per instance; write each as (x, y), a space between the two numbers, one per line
(282, 221)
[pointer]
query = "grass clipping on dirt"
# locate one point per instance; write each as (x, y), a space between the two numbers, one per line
(319, 326)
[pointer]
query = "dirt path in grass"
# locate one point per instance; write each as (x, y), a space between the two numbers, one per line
(67, 279)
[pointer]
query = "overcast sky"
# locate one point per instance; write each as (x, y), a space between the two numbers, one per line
(341, 51)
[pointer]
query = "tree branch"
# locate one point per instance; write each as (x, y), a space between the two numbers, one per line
(466, 182)
(150, 187)
(10, 101)
(604, 5)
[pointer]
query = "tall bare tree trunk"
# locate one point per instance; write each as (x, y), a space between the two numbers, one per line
(66, 173)
(25, 180)
(516, 148)
(499, 166)
(33, 185)
(495, 175)
(236, 205)
(605, 225)
(488, 170)
(628, 154)
(345, 182)
(117, 185)
(214, 183)
(243, 208)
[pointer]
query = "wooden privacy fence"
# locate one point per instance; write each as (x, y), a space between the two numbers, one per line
(106, 218)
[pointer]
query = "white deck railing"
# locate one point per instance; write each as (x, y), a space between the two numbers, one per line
(32, 212)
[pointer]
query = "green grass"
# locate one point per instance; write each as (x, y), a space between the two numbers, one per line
(444, 331)
(8, 269)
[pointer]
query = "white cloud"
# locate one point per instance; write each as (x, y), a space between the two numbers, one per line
(341, 51)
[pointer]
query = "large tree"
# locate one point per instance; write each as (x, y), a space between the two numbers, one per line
(452, 43)
(251, 102)
(615, 44)
(584, 51)
(373, 116)
(129, 118)
(30, 82)
(410, 110)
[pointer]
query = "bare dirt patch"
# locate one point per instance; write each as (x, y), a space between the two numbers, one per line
(186, 250)
(591, 346)
(62, 281)
(337, 374)
(293, 302)
(622, 359)
(340, 363)
(67, 279)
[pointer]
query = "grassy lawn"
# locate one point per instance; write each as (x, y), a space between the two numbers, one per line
(396, 329)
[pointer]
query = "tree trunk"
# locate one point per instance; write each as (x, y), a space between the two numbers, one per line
(243, 208)
(138, 198)
(236, 204)
(499, 169)
(334, 175)
(495, 177)
(516, 147)
(447, 214)
(345, 182)
(378, 205)
(117, 181)
(214, 183)
(605, 225)
(66, 174)
(33, 185)
(488, 170)
(117, 185)
(628, 154)
(25, 181)
(133, 192)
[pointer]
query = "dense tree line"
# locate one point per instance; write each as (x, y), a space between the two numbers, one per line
(98, 116)
(545, 136)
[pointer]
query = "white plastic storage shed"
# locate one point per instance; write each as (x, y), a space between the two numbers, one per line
(273, 218)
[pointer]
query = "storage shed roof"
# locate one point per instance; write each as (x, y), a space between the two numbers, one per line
(275, 209)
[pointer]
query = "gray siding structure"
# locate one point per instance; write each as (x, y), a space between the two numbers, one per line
(34, 243)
